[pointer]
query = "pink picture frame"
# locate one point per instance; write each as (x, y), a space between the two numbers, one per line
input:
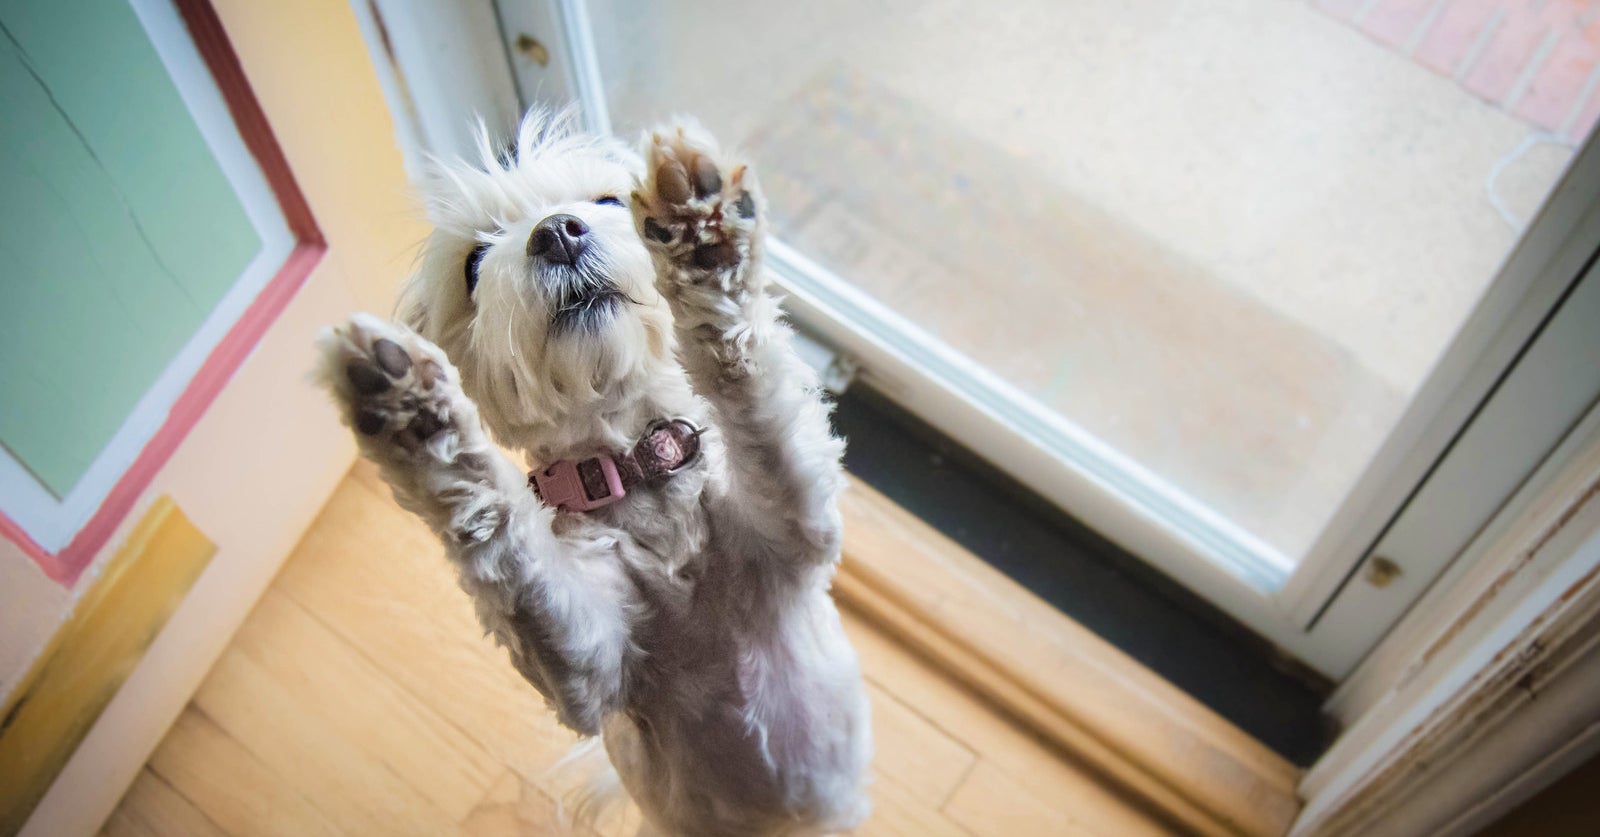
(205, 29)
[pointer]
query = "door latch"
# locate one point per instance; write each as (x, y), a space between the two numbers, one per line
(1381, 571)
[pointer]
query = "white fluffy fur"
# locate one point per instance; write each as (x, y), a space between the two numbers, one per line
(689, 624)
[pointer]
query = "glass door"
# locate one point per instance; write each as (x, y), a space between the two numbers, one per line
(1222, 279)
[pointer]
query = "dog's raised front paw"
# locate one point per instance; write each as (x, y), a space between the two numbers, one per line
(394, 389)
(698, 211)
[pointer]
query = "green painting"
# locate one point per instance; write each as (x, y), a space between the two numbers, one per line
(119, 232)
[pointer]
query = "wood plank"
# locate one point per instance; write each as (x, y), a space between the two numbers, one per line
(151, 808)
(1138, 732)
(379, 580)
(989, 801)
(513, 806)
(1038, 771)
(915, 754)
(93, 652)
(899, 811)
(384, 723)
(233, 788)
(308, 750)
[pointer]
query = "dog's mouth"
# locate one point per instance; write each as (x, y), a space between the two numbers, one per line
(587, 304)
(582, 293)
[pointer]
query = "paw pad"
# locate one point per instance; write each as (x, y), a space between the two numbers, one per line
(713, 256)
(392, 389)
(707, 180)
(369, 423)
(391, 357)
(657, 232)
(672, 182)
(696, 209)
(366, 378)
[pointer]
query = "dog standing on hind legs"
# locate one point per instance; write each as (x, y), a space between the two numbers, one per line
(666, 585)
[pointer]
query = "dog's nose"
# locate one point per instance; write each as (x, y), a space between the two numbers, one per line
(559, 239)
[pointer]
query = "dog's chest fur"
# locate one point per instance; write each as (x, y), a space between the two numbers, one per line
(725, 661)
(684, 561)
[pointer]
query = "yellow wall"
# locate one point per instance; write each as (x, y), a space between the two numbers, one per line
(257, 467)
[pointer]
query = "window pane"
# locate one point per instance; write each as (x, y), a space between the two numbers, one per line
(1228, 238)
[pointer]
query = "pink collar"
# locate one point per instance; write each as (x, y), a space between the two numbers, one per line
(669, 446)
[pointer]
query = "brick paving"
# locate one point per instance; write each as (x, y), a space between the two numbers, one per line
(1536, 59)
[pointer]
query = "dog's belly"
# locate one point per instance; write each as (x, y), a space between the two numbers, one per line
(774, 739)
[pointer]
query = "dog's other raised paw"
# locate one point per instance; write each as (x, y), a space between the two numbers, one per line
(394, 389)
(698, 211)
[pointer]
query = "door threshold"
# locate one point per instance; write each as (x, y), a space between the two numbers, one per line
(1144, 737)
(1101, 587)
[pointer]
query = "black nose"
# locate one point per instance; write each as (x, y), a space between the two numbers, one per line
(559, 239)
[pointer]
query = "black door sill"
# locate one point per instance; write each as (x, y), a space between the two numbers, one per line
(1129, 604)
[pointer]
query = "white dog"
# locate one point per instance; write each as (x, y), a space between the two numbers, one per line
(664, 581)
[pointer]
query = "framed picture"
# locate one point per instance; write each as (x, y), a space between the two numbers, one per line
(152, 233)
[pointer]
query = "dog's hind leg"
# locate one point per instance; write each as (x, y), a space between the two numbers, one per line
(560, 604)
(703, 217)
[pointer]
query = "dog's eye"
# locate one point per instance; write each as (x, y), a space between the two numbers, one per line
(472, 267)
(608, 200)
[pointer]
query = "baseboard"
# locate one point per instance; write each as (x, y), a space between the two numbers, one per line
(1153, 743)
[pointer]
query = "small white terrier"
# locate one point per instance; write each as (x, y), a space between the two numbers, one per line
(664, 582)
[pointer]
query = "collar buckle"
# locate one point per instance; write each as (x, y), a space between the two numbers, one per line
(584, 485)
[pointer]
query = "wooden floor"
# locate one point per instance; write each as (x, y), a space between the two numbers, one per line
(361, 698)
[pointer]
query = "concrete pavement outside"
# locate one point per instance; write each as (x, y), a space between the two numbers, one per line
(1229, 237)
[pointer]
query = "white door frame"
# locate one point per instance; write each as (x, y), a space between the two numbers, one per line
(1490, 689)
(1532, 407)
(1094, 482)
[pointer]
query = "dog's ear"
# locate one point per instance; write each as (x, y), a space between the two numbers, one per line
(434, 301)
(410, 310)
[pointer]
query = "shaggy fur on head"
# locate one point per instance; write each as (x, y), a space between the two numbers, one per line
(571, 294)
(538, 386)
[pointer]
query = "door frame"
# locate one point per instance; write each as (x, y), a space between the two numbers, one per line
(1486, 693)
(1207, 553)
(1536, 403)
